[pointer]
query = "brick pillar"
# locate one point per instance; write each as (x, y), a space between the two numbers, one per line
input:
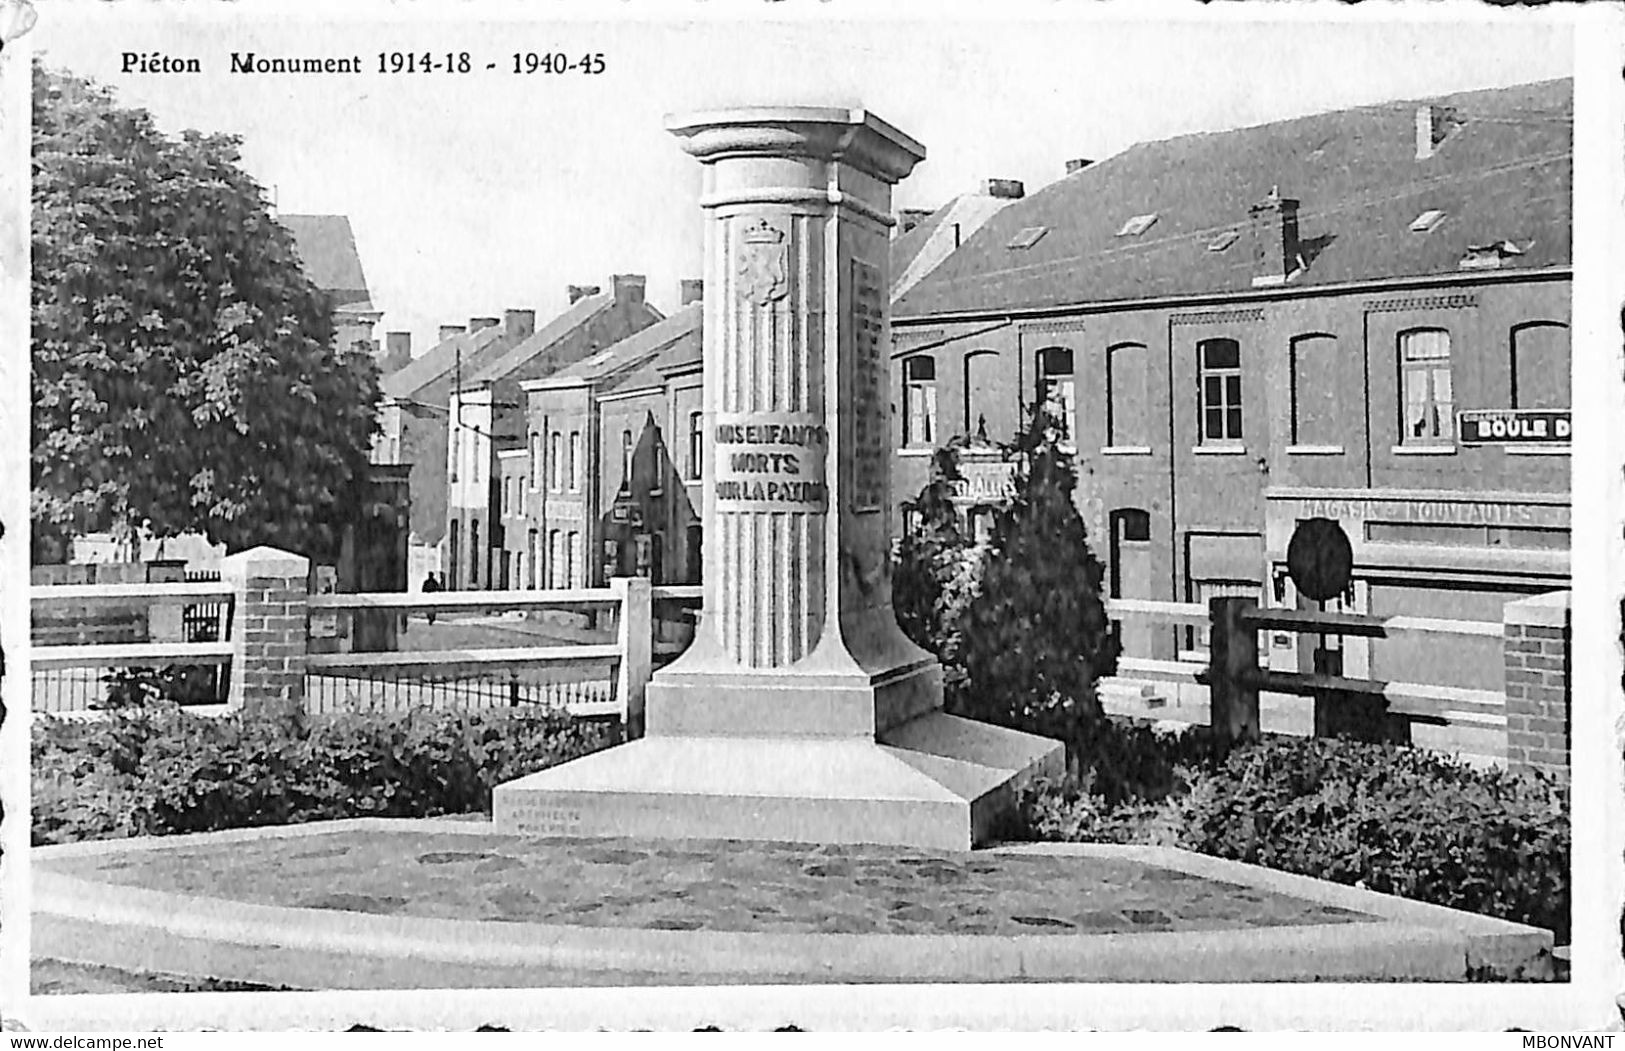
(268, 637)
(1536, 649)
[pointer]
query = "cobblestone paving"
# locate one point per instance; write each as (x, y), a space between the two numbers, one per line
(704, 885)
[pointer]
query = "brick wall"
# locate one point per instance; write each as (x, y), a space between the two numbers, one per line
(269, 633)
(1537, 634)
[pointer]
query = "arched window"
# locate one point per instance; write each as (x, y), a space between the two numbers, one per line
(1314, 389)
(626, 461)
(555, 467)
(1126, 423)
(1218, 385)
(1056, 388)
(919, 400)
(575, 461)
(1427, 401)
(981, 370)
(1540, 366)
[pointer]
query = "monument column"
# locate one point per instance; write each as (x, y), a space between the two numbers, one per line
(798, 634)
(801, 711)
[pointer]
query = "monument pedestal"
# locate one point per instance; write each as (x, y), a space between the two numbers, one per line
(801, 712)
(937, 782)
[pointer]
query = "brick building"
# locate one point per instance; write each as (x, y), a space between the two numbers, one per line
(327, 252)
(1249, 328)
(415, 410)
(614, 476)
(486, 416)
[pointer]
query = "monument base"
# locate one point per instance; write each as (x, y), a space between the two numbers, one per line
(937, 782)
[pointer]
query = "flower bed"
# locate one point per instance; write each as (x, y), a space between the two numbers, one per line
(1393, 819)
(160, 771)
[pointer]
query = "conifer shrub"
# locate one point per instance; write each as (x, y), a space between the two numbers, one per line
(1034, 636)
(158, 770)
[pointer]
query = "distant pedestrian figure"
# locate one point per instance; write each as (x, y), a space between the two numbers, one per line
(431, 585)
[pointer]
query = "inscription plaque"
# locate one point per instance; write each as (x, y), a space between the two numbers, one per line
(770, 461)
(869, 415)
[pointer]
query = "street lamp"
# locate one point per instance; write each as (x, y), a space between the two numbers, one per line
(16, 18)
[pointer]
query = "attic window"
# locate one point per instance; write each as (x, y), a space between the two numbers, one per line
(1489, 256)
(1138, 225)
(1426, 221)
(1027, 237)
(1223, 241)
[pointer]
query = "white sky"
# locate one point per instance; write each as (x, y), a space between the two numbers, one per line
(470, 194)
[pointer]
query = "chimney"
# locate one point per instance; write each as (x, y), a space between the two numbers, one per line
(477, 323)
(398, 350)
(1433, 125)
(448, 331)
(909, 218)
(580, 292)
(518, 325)
(629, 288)
(1275, 240)
(1077, 165)
(1010, 189)
(690, 290)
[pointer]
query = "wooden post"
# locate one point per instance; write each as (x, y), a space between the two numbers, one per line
(635, 639)
(1232, 667)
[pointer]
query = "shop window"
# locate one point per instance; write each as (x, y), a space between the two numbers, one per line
(1126, 423)
(919, 401)
(1057, 391)
(1427, 399)
(696, 444)
(1218, 379)
(981, 369)
(1314, 390)
(1540, 366)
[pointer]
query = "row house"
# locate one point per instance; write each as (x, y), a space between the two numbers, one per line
(486, 417)
(1247, 329)
(415, 413)
(610, 484)
(606, 493)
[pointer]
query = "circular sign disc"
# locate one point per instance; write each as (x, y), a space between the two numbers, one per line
(1319, 559)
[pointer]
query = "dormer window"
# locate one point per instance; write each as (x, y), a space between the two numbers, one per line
(1426, 221)
(1138, 225)
(1027, 238)
(1489, 256)
(1223, 241)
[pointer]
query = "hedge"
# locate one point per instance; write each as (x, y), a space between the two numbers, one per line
(1392, 818)
(161, 771)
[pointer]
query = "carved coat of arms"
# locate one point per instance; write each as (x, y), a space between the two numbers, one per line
(763, 263)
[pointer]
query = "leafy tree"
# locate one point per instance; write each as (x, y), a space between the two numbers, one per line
(184, 377)
(1035, 637)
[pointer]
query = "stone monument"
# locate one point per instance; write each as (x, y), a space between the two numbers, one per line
(801, 712)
